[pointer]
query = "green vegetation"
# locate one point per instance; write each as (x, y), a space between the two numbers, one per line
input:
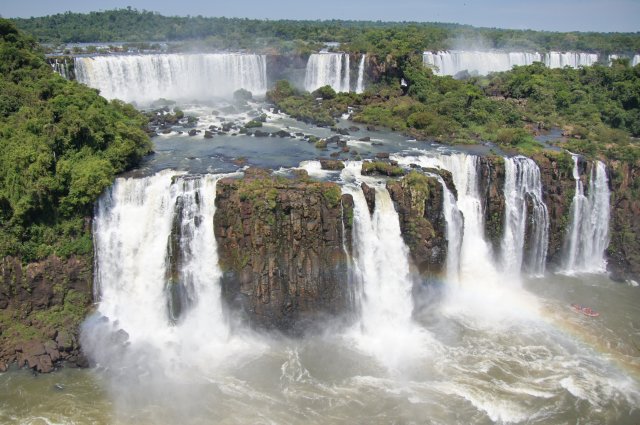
(332, 194)
(418, 181)
(322, 107)
(598, 107)
(253, 124)
(61, 145)
(380, 38)
(380, 167)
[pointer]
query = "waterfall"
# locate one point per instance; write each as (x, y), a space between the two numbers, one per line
(61, 68)
(454, 230)
(386, 329)
(360, 82)
(636, 60)
(328, 69)
(145, 78)
(522, 185)
(382, 277)
(588, 231)
(571, 59)
(477, 62)
(476, 259)
(484, 62)
(157, 271)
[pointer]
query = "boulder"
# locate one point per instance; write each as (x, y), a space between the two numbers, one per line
(331, 164)
(369, 196)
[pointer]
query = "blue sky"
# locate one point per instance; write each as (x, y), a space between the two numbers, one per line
(553, 15)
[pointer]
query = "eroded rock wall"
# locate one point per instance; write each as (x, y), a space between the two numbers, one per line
(623, 254)
(281, 248)
(418, 201)
(41, 307)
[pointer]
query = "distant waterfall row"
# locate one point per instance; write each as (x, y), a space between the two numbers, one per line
(484, 62)
(144, 78)
(333, 69)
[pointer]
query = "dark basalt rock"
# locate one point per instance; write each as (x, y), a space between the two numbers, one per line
(50, 298)
(623, 254)
(281, 133)
(418, 200)
(280, 242)
(369, 196)
(558, 189)
(332, 139)
(331, 164)
(491, 186)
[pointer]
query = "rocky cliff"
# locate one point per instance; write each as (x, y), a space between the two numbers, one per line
(623, 254)
(282, 249)
(491, 187)
(558, 189)
(418, 201)
(41, 307)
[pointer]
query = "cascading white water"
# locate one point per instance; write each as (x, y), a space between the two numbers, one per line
(484, 62)
(386, 329)
(636, 60)
(522, 184)
(174, 314)
(360, 81)
(476, 259)
(481, 292)
(570, 59)
(61, 68)
(328, 69)
(145, 78)
(588, 231)
(455, 229)
(477, 62)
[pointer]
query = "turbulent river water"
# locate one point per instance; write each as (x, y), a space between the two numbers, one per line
(487, 345)
(533, 360)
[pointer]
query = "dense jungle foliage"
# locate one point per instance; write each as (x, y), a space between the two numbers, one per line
(61, 145)
(597, 107)
(381, 38)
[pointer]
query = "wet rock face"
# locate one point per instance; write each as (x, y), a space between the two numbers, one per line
(623, 254)
(281, 248)
(491, 186)
(558, 189)
(41, 307)
(418, 201)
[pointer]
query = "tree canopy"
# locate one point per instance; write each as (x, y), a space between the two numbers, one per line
(61, 145)
(376, 37)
